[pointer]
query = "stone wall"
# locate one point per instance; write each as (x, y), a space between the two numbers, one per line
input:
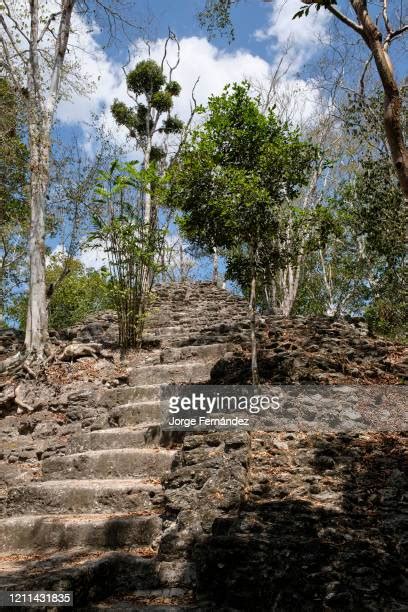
(251, 521)
(278, 521)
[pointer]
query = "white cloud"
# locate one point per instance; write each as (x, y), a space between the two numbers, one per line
(102, 78)
(215, 68)
(296, 40)
(300, 36)
(91, 257)
(96, 71)
(94, 258)
(199, 59)
(293, 43)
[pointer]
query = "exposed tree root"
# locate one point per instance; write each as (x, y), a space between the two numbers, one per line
(14, 370)
(11, 363)
(20, 402)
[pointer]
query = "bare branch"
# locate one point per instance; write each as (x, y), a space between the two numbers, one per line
(346, 20)
(15, 23)
(60, 50)
(193, 110)
(176, 65)
(363, 74)
(393, 35)
(385, 17)
(12, 41)
(50, 19)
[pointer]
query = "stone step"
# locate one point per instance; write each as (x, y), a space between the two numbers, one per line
(167, 330)
(172, 319)
(204, 352)
(117, 463)
(171, 373)
(84, 496)
(92, 576)
(41, 533)
(167, 599)
(147, 434)
(126, 395)
(189, 340)
(135, 413)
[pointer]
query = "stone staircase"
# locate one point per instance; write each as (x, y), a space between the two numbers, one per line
(92, 522)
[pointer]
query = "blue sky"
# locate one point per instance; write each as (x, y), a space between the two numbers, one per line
(264, 34)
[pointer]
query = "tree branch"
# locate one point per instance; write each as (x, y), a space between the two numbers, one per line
(385, 17)
(15, 22)
(12, 41)
(50, 19)
(366, 66)
(346, 20)
(393, 35)
(343, 18)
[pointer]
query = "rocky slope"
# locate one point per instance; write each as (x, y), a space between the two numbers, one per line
(95, 498)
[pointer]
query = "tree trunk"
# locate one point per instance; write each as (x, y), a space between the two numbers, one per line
(328, 283)
(1, 308)
(36, 335)
(147, 194)
(252, 312)
(215, 266)
(2, 295)
(290, 288)
(42, 102)
(392, 97)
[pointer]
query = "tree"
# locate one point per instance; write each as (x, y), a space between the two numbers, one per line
(134, 256)
(178, 265)
(34, 43)
(14, 212)
(232, 176)
(153, 99)
(374, 26)
(78, 295)
(41, 90)
(360, 266)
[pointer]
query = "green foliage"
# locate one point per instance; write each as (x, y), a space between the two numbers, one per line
(318, 4)
(81, 293)
(388, 317)
(162, 101)
(132, 246)
(14, 156)
(363, 121)
(378, 216)
(232, 177)
(362, 266)
(78, 293)
(157, 154)
(125, 116)
(14, 208)
(216, 16)
(235, 174)
(173, 88)
(172, 125)
(146, 78)
(143, 120)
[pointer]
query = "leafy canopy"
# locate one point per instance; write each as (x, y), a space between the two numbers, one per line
(236, 170)
(151, 113)
(80, 293)
(132, 246)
